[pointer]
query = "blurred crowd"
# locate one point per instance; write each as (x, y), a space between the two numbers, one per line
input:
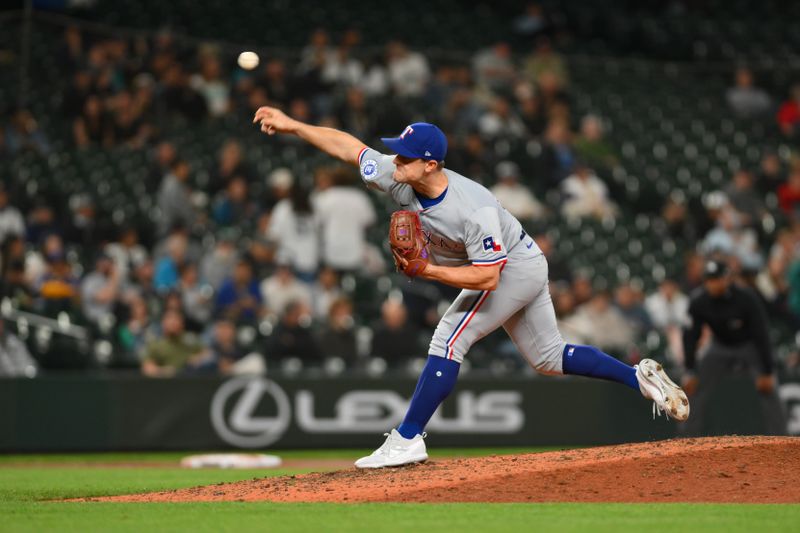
(240, 271)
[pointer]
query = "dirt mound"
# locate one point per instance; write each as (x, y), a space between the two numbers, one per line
(728, 469)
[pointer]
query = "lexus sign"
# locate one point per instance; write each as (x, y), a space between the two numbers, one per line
(253, 412)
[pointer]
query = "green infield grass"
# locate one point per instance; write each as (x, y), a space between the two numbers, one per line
(30, 483)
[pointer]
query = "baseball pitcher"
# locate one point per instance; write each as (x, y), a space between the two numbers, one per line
(454, 231)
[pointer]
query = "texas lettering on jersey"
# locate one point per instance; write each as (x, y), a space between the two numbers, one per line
(441, 242)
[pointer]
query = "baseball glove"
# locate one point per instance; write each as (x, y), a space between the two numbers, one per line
(408, 243)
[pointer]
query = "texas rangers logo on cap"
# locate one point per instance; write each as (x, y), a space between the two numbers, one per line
(419, 141)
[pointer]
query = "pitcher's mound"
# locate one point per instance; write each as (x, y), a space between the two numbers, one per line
(726, 469)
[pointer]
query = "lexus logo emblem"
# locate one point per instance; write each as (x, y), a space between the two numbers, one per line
(237, 407)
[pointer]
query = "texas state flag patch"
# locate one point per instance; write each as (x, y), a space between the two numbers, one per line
(489, 244)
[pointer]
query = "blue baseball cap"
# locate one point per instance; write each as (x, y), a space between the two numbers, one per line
(419, 141)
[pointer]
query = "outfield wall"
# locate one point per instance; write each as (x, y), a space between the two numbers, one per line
(130, 413)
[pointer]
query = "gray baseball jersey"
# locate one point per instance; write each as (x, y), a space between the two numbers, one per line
(469, 226)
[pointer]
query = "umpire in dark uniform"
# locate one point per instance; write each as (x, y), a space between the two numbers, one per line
(740, 342)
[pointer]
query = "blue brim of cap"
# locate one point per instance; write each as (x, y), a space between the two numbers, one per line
(395, 144)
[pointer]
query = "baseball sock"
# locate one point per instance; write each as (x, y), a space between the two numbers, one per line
(589, 361)
(435, 383)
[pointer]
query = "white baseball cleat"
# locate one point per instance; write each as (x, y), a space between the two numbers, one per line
(396, 451)
(666, 395)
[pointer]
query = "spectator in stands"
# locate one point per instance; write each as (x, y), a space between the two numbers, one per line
(23, 134)
(292, 337)
(15, 359)
(174, 351)
(789, 195)
(85, 226)
(126, 251)
(408, 71)
(275, 81)
(76, 94)
(676, 221)
(58, 287)
(233, 206)
(294, 231)
(730, 237)
(530, 110)
(168, 267)
(175, 198)
(100, 289)
(128, 126)
(280, 182)
(355, 116)
(11, 221)
(36, 261)
(772, 284)
(220, 259)
(178, 97)
(771, 173)
(586, 196)
(558, 154)
(41, 221)
(341, 69)
(223, 346)
(565, 306)
(602, 325)
(197, 297)
(210, 84)
(743, 197)
(500, 121)
(462, 112)
(375, 82)
(592, 147)
(396, 338)
(134, 328)
(545, 61)
(532, 22)
(558, 269)
(629, 301)
(338, 337)
(13, 283)
(582, 289)
(515, 197)
(668, 308)
(344, 213)
(744, 98)
(282, 289)
(471, 157)
(230, 164)
(793, 276)
(94, 125)
(494, 69)
(692, 272)
(239, 297)
(325, 291)
(789, 113)
(163, 157)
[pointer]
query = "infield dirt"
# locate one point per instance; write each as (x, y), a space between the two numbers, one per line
(718, 469)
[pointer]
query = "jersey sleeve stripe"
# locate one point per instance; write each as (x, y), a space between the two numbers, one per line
(361, 154)
(489, 262)
(465, 320)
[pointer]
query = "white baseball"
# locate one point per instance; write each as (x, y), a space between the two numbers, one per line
(248, 60)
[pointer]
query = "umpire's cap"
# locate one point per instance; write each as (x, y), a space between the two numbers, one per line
(714, 269)
(419, 141)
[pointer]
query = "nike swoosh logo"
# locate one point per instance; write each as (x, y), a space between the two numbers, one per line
(529, 245)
